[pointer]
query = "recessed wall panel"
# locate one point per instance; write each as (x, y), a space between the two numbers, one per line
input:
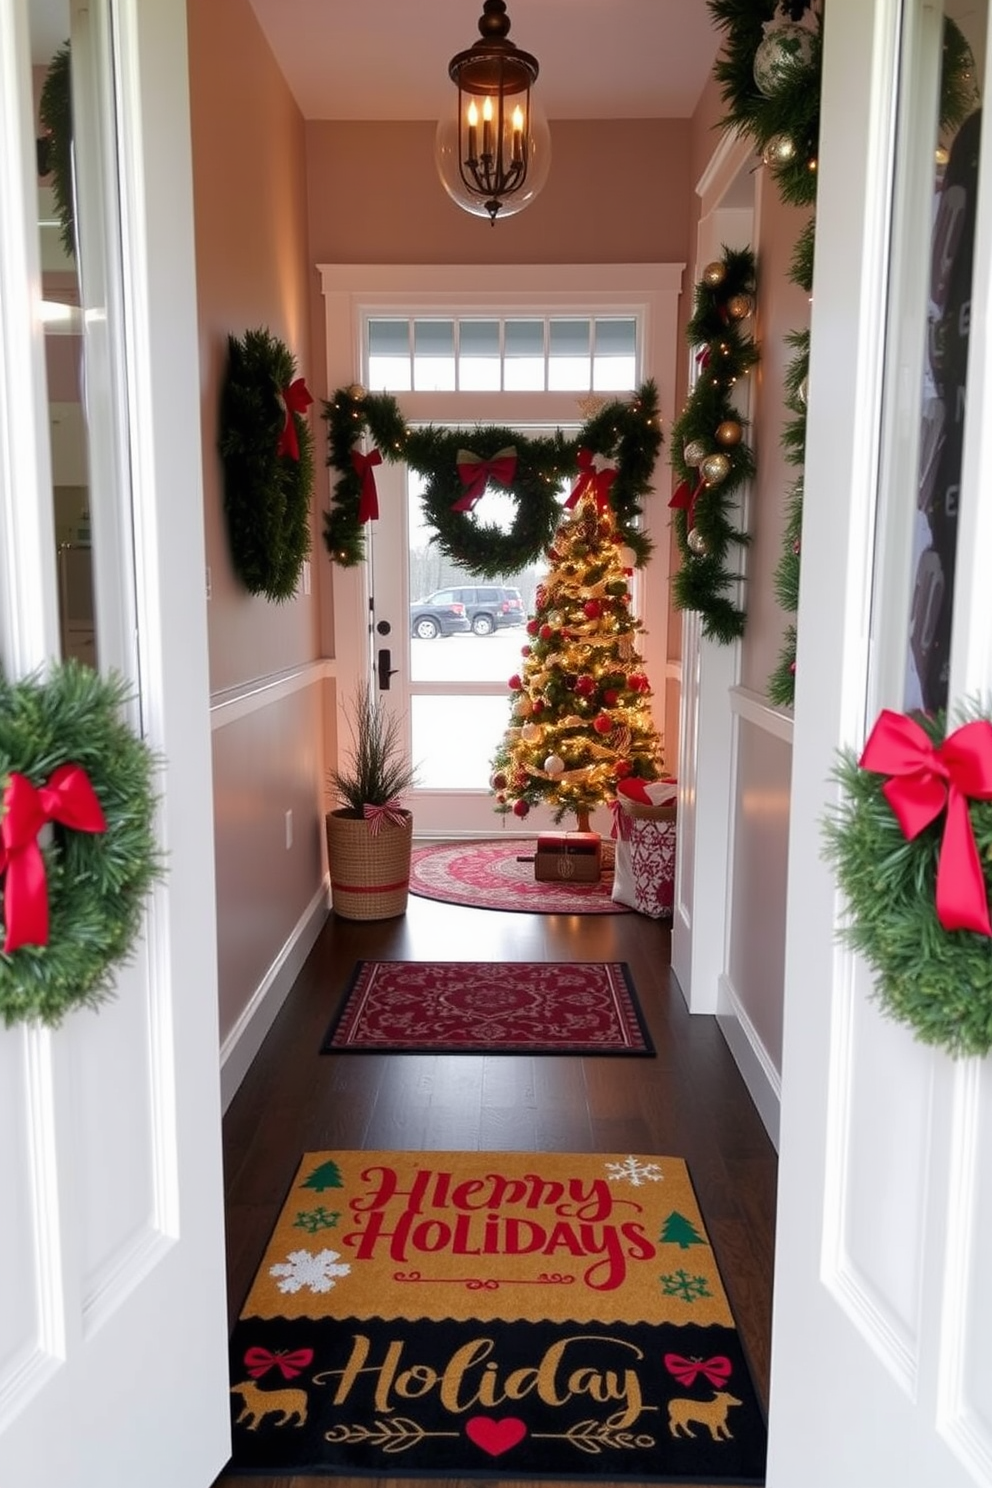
(18, 1278)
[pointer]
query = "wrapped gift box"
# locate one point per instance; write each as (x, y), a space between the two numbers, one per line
(644, 874)
(572, 856)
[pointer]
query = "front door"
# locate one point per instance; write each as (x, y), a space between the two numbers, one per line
(112, 1281)
(880, 1370)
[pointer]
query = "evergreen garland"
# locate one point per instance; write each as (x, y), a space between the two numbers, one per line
(96, 882)
(706, 514)
(266, 494)
(785, 129)
(937, 982)
(626, 433)
(55, 113)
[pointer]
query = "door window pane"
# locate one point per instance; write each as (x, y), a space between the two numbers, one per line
(433, 356)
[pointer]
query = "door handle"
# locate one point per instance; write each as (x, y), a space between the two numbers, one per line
(385, 671)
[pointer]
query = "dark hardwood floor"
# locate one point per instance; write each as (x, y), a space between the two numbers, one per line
(688, 1102)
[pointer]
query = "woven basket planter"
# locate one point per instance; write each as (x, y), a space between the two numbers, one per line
(370, 874)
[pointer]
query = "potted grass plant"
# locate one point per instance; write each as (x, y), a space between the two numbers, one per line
(370, 832)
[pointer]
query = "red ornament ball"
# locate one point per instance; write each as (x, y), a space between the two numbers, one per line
(585, 685)
(532, 627)
(520, 779)
(592, 609)
(538, 705)
(638, 682)
(546, 632)
(520, 808)
(610, 697)
(622, 769)
(603, 723)
(501, 799)
(515, 684)
(524, 650)
(498, 780)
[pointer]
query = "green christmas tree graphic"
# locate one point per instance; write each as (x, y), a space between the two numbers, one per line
(328, 1175)
(681, 1231)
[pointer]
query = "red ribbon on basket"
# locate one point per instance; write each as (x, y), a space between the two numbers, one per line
(259, 1361)
(635, 790)
(364, 467)
(475, 474)
(593, 479)
(924, 780)
(716, 1370)
(69, 798)
(296, 399)
(391, 814)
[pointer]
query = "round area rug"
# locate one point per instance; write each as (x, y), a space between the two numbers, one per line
(487, 875)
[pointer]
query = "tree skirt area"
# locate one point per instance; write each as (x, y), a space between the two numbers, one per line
(490, 875)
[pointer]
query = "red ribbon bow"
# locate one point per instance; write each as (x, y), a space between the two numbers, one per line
(717, 1370)
(592, 479)
(476, 473)
(391, 814)
(259, 1361)
(684, 498)
(703, 358)
(926, 778)
(68, 798)
(364, 465)
(296, 399)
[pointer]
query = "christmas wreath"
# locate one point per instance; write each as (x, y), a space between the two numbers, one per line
(709, 454)
(911, 844)
(266, 446)
(459, 464)
(73, 771)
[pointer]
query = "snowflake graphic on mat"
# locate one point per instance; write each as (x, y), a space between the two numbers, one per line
(304, 1269)
(632, 1171)
(681, 1284)
(313, 1220)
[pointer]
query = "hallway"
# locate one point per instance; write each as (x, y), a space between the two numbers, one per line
(689, 1101)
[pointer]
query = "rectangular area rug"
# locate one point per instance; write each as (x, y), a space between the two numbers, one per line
(474, 1314)
(490, 1007)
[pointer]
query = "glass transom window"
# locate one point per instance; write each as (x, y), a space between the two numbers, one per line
(566, 353)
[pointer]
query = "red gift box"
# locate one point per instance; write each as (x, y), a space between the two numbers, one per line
(569, 856)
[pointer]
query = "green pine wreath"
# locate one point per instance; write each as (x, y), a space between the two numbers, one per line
(266, 494)
(97, 882)
(626, 432)
(55, 114)
(937, 982)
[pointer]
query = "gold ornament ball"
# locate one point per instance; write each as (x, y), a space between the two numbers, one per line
(714, 469)
(714, 274)
(802, 391)
(697, 543)
(356, 391)
(739, 306)
(530, 733)
(729, 433)
(524, 707)
(695, 452)
(554, 764)
(780, 150)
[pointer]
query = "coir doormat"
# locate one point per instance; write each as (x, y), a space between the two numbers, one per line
(490, 1007)
(476, 1314)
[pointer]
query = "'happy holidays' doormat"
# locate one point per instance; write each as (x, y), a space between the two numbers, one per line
(501, 1314)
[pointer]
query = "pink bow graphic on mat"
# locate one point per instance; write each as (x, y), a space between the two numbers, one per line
(259, 1361)
(717, 1370)
(476, 473)
(296, 399)
(391, 814)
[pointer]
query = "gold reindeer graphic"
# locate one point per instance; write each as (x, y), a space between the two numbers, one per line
(710, 1413)
(258, 1404)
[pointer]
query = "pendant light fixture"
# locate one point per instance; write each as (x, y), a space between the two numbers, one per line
(494, 151)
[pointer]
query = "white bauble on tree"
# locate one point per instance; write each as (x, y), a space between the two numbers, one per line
(554, 764)
(785, 51)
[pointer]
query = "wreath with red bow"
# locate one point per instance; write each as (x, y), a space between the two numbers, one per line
(266, 446)
(78, 852)
(460, 464)
(911, 842)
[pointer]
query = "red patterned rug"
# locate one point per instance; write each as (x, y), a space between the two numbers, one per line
(489, 1007)
(488, 875)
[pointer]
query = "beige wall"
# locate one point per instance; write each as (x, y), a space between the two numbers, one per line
(249, 183)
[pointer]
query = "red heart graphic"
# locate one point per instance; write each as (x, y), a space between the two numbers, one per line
(495, 1437)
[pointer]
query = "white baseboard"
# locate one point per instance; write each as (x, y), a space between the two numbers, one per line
(245, 1039)
(751, 1057)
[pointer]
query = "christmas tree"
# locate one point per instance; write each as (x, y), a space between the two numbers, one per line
(328, 1175)
(581, 710)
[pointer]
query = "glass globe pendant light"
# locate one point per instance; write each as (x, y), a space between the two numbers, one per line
(494, 152)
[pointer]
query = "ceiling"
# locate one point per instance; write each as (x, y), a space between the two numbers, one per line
(388, 59)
